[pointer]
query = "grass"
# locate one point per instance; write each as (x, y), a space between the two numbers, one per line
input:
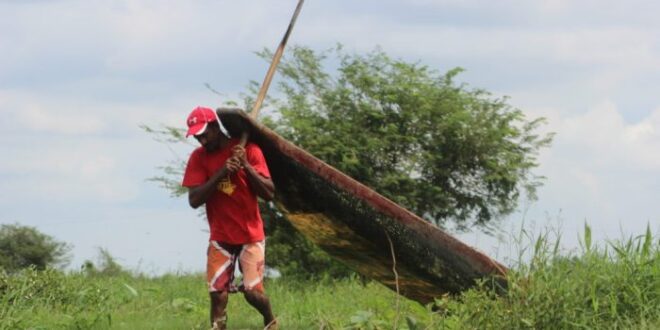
(51, 299)
(615, 286)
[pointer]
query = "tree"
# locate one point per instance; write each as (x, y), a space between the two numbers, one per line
(453, 155)
(24, 246)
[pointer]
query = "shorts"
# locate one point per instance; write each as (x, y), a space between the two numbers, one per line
(221, 265)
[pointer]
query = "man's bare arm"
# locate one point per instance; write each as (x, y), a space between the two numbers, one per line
(261, 185)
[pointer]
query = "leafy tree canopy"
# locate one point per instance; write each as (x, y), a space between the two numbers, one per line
(24, 246)
(445, 151)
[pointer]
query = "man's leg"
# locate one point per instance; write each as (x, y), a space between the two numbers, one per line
(220, 273)
(219, 301)
(252, 263)
(261, 302)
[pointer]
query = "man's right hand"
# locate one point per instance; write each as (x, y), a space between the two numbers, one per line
(198, 195)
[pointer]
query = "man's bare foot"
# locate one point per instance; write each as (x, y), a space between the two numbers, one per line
(220, 324)
(272, 325)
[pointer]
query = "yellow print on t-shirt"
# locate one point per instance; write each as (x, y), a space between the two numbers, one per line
(226, 186)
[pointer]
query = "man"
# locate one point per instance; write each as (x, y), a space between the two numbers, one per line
(228, 177)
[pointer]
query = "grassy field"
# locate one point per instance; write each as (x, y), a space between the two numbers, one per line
(50, 299)
(616, 286)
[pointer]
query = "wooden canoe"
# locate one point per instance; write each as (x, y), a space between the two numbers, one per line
(360, 227)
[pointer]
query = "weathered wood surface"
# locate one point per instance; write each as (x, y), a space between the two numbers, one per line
(356, 224)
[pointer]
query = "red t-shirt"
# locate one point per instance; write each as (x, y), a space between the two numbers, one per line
(232, 211)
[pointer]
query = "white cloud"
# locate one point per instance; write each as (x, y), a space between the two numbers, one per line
(75, 149)
(620, 46)
(132, 36)
(68, 170)
(40, 119)
(601, 169)
(28, 112)
(603, 133)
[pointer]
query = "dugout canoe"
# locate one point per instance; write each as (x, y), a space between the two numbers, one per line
(360, 227)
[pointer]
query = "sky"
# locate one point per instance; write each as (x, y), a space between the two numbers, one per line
(78, 78)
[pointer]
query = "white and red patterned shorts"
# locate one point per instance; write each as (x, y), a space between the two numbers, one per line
(221, 264)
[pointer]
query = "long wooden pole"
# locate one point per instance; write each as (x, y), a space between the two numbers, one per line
(271, 70)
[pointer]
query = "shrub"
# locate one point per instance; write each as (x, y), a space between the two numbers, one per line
(23, 246)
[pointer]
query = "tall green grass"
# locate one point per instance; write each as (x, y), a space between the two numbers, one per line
(613, 286)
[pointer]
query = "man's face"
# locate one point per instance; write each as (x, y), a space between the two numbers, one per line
(209, 138)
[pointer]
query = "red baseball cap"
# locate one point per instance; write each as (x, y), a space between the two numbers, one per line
(198, 119)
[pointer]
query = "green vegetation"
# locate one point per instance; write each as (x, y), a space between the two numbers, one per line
(50, 299)
(445, 151)
(24, 246)
(616, 286)
(611, 287)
